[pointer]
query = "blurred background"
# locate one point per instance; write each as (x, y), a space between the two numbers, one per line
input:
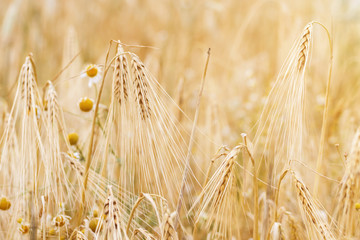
(250, 41)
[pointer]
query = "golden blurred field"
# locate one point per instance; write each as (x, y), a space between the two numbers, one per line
(189, 119)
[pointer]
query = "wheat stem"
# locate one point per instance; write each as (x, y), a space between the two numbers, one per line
(89, 155)
(191, 142)
(325, 115)
(137, 203)
(255, 191)
(277, 192)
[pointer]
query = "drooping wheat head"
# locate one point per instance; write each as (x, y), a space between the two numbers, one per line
(141, 87)
(313, 218)
(304, 47)
(281, 126)
(121, 76)
(219, 198)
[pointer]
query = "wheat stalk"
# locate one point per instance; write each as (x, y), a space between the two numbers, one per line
(91, 142)
(191, 142)
(349, 191)
(325, 113)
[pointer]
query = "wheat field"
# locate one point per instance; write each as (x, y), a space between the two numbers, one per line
(188, 119)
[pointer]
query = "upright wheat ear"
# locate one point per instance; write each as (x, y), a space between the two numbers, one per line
(50, 102)
(28, 82)
(313, 220)
(291, 229)
(121, 75)
(140, 87)
(304, 46)
(350, 192)
(114, 226)
(169, 232)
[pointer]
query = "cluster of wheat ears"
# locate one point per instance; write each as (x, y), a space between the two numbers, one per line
(141, 168)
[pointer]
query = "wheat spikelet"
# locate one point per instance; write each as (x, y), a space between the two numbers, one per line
(50, 102)
(28, 83)
(226, 174)
(169, 232)
(304, 47)
(312, 217)
(140, 83)
(276, 232)
(114, 227)
(293, 233)
(75, 164)
(121, 76)
(291, 228)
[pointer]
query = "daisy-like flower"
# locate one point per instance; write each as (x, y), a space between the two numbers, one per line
(93, 73)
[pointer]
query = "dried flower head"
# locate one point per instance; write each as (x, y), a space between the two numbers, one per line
(24, 228)
(60, 220)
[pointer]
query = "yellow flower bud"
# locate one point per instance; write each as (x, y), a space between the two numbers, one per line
(86, 104)
(52, 231)
(73, 138)
(93, 224)
(357, 206)
(4, 204)
(95, 213)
